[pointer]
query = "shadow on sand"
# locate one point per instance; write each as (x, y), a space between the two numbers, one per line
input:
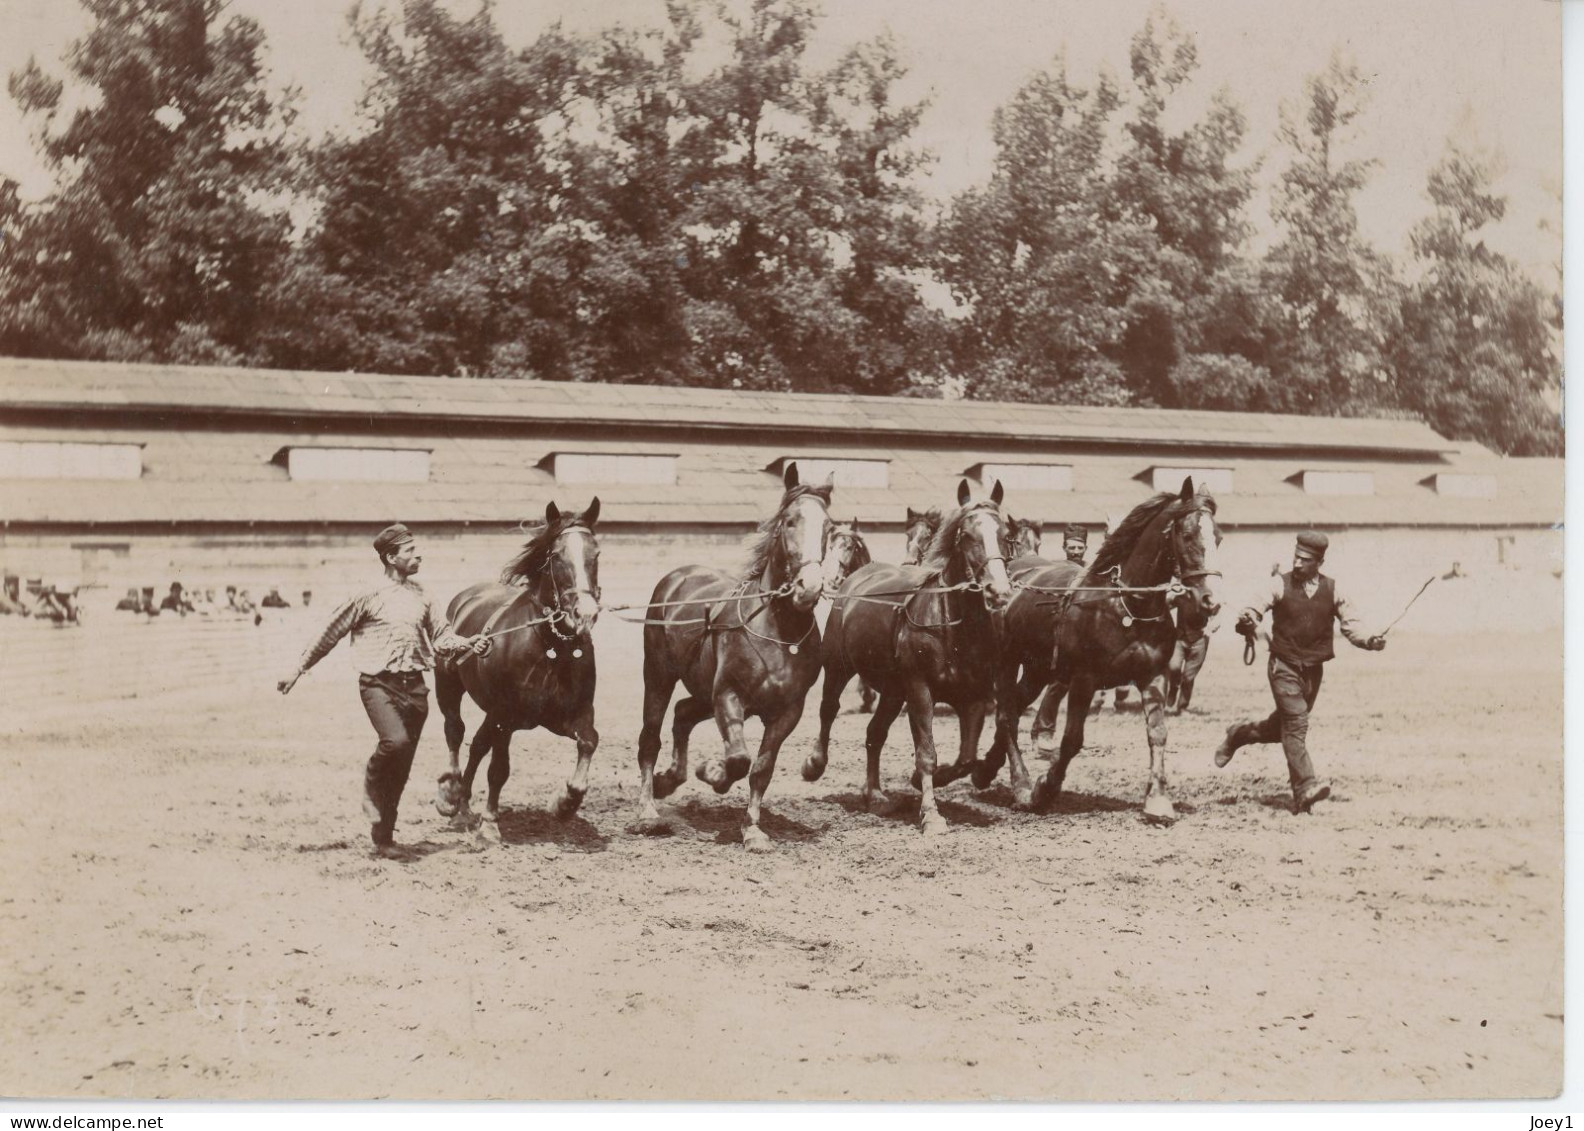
(723, 823)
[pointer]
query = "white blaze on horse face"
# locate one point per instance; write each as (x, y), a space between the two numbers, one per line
(996, 579)
(577, 550)
(811, 547)
(833, 571)
(1210, 584)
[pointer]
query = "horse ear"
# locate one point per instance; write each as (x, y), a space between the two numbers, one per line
(1188, 488)
(552, 512)
(790, 477)
(855, 524)
(591, 516)
(964, 493)
(997, 493)
(830, 482)
(913, 516)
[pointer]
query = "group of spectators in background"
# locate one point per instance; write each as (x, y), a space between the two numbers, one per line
(46, 601)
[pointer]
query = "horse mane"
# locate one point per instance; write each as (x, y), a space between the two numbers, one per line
(1114, 551)
(530, 561)
(761, 544)
(938, 554)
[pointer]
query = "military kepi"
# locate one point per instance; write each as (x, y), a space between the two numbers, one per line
(1313, 543)
(389, 539)
(1075, 532)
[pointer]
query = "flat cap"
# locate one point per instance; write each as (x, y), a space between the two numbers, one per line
(387, 540)
(1076, 531)
(1313, 543)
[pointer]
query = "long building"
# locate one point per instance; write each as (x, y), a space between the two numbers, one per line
(121, 475)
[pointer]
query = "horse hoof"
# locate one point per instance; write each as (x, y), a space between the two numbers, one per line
(933, 825)
(463, 820)
(650, 826)
(567, 804)
(984, 774)
(1046, 746)
(1159, 810)
(755, 840)
(812, 770)
(1024, 800)
(713, 774)
(666, 784)
(448, 797)
(877, 802)
(737, 769)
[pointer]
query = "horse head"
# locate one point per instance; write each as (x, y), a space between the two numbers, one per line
(1193, 540)
(845, 552)
(920, 532)
(975, 542)
(1027, 534)
(794, 549)
(562, 559)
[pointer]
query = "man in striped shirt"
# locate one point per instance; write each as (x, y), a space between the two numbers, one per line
(396, 631)
(1304, 604)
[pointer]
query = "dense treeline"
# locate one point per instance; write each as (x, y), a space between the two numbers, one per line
(700, 205)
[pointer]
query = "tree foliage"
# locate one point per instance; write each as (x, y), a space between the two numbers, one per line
(699, 204)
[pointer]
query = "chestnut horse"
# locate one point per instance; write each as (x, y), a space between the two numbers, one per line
(919, 633)
(741, 644)
(1105, 638)
(539, 671)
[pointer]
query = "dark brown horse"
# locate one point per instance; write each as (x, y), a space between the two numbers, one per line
(743, 644)
(919, 633)
(846, 552)
(1029, 628)
(919, 532)
(539, 671)
(1104, 638)
(1027, 535)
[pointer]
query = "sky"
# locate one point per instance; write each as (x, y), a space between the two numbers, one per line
(1486, 71)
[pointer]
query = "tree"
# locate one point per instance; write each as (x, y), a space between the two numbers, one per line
(1328, 279)
(1476, 352)
(1040, 256)
(158, 237)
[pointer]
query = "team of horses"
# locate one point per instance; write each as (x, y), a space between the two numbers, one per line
(974, 617)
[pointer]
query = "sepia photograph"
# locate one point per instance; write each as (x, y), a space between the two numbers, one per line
(776, 551)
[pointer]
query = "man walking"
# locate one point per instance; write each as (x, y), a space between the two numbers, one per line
(396, 631)
(1303, 604)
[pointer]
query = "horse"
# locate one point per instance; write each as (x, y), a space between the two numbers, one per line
(919, 532)
(741, 644)
(539, 671)
(1105, 638)
(919, 633)
(849, 552)
(1029, 627)
(1027, 534)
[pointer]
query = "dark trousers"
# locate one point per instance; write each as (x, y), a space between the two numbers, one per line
(1295, 688)
(397, 704)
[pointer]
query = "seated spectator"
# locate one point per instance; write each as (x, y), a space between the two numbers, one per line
(244, 604)
(131, 603)
(11, 603)
(148, 607)
(57, 603)
(274, 600)
(176, 601)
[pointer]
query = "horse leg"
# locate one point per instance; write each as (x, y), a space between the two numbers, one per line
(1193, 661)
(1008, 719)
(1013, 696)
(867, 697)
(483, 738)
(448, 697)
(837, 675)
(891, 704)
(657, 696)
(776, 730)
(1158, 807)
(719, 773)
(587, 739)
(921, 715)
(1174, 675)
(1077, 694)
(1044, 731)
(970, 726)
(499, 771)
(687, 714)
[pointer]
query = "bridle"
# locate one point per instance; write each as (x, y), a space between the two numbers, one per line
(979, 581)
(563, 599)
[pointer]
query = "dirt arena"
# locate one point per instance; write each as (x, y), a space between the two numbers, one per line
(191, 910)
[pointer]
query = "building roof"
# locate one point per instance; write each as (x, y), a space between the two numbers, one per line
(254, 393)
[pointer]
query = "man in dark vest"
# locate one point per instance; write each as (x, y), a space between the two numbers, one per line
(1303, 604)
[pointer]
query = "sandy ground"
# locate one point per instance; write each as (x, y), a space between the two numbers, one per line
(190, 910)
